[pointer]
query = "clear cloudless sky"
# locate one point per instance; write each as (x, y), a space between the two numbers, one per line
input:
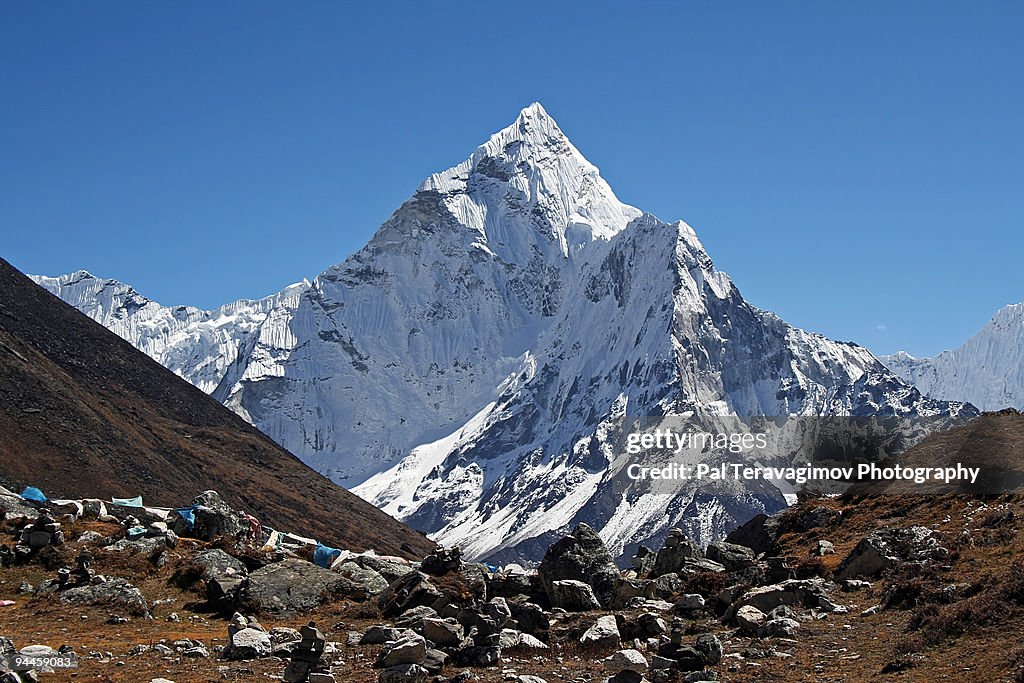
(858, 168)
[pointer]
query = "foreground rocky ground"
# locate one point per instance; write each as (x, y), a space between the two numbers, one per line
(841, 589)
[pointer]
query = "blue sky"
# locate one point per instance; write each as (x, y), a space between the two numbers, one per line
(858, 168)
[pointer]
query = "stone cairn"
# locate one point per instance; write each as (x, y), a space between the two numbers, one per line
(305, 664)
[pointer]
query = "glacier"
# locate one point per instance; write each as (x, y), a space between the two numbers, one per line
(467, 369)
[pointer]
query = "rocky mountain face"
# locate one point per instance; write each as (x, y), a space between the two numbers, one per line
(469, 369)
(987, 370)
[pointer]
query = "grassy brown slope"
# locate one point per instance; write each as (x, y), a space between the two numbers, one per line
(952, 620)
(85, 414)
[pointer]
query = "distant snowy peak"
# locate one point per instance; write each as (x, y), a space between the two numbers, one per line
(197, 345)
(987, 370)
(530, 175)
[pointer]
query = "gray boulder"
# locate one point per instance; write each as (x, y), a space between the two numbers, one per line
(391, 571)
(284, 640)
(292, 586)
(780, 628)
(626, 660)
(750, 619)
(759, 534)
(581, 556)
(412, 590)
(442, 632)
(674, 555)
(689, 602)
(411, 648)
(792, 592)
(117, 593)
(215, 518)
(378, 635)
(731, 556)
(367, 582)
(216, 564)
(709, 645)
(883, 549)
(572, 596)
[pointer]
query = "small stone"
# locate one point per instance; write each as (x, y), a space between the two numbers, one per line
(378, 635)
(749, 618)
(405, 673)
(709, 645)
(689, 602)
(780, 628)
(604, 633)
(248, 643)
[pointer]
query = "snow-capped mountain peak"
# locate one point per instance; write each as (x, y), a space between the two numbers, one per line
(529, 176)
(466, 368)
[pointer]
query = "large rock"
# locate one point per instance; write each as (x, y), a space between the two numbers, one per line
(530, 618)
(217, 564)
(215, 518)
(291, 586)
(116, 593)
(412, 590)
(759, 534)
(391, 570)
(793, 592)
(750, 619)
(378, 635)
(783, 627)
(573, 596)
(731, 556)
(678, 550)
(886, 548)
(442, 632)
(367, 582)
(709, 645)
(581, 557)
(628, 589)
(12, 507)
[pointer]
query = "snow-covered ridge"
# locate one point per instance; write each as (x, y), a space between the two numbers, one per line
(986, 370)
(196, 344)
(466, 369)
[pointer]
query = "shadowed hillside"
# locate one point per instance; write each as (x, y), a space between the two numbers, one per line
(84, 414)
